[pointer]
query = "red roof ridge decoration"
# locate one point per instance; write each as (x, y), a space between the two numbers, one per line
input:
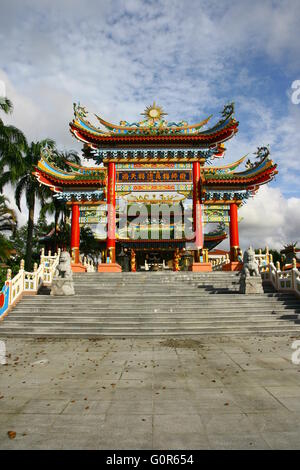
(154, 129)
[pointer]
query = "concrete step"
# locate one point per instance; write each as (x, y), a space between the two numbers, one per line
(133, 303)
(196, 294)
(144, 323)
(149, 334)
(153, 304)
(141, 326)
(150, 290)
(159, 273)
(148, 316)
(156, 284)
(93, 303)
(92, 333)
(187, 310)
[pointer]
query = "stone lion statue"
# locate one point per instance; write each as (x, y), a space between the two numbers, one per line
(62, 283)
(63, 269)
(250, 264)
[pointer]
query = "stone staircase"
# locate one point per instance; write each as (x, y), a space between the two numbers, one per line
(153, 304)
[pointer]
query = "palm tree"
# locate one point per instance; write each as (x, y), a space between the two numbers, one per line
(6, 105)
(28, 184)
(6, 248)
(62, 158)
(61, 213)
(8, 219)
(8, 222)
(12, 142)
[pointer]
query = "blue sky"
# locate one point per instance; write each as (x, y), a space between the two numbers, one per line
(116, 57)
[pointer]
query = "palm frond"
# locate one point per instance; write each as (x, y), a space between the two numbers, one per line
(5, 177)
(62, 158)
(8, 218)
(20, 188)
(6, 248)
(6, 105)
(13, 134)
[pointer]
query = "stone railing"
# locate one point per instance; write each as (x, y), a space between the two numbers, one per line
(50, 263)
(25, 282)
(263, 259)
(282, 281)
(218, 262)
(88, 264)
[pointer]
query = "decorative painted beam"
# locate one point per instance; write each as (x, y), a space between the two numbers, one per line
(227, 195)
(159, 154)
(80, 196)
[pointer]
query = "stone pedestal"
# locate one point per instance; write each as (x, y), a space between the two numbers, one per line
(78, 268)
(251, 285)
(201, 267)
(233, 266)
(109, 268)
(61, 286)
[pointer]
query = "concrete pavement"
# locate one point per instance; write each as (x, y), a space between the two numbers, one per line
(190, 393)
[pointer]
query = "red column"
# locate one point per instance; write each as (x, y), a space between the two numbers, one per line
(111, 211)
(234, 232)
(197, 214)
(75, 233)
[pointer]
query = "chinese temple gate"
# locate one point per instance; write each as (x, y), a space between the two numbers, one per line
(156, 167)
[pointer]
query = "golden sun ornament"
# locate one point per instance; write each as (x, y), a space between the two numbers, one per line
(154, 112)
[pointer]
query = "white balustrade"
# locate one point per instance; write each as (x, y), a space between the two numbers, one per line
(282, 281)
(88, 264)
(50, 264)
(16, 286)
(30, 282)
(218, 261)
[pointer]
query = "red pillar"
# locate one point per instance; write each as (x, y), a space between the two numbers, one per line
(111, 211)
(197, 214)
(234, 232)
(75, 232)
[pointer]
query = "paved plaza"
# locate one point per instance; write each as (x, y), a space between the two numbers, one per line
(184, 393)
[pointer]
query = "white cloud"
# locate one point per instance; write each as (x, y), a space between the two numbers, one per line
(116, 57)
(269, 219)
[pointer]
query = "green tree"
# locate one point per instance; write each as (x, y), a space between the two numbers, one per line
(63, 159)
(276, 255)
(28, 185)
(12, 143)
(60, 211)
(8, 223)
(89, 246)
(18, 239)
(6, 248)
(8, 219)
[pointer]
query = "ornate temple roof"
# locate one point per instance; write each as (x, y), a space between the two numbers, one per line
(255, 175)
(153, 130)
(219, 183)
(57, 179)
